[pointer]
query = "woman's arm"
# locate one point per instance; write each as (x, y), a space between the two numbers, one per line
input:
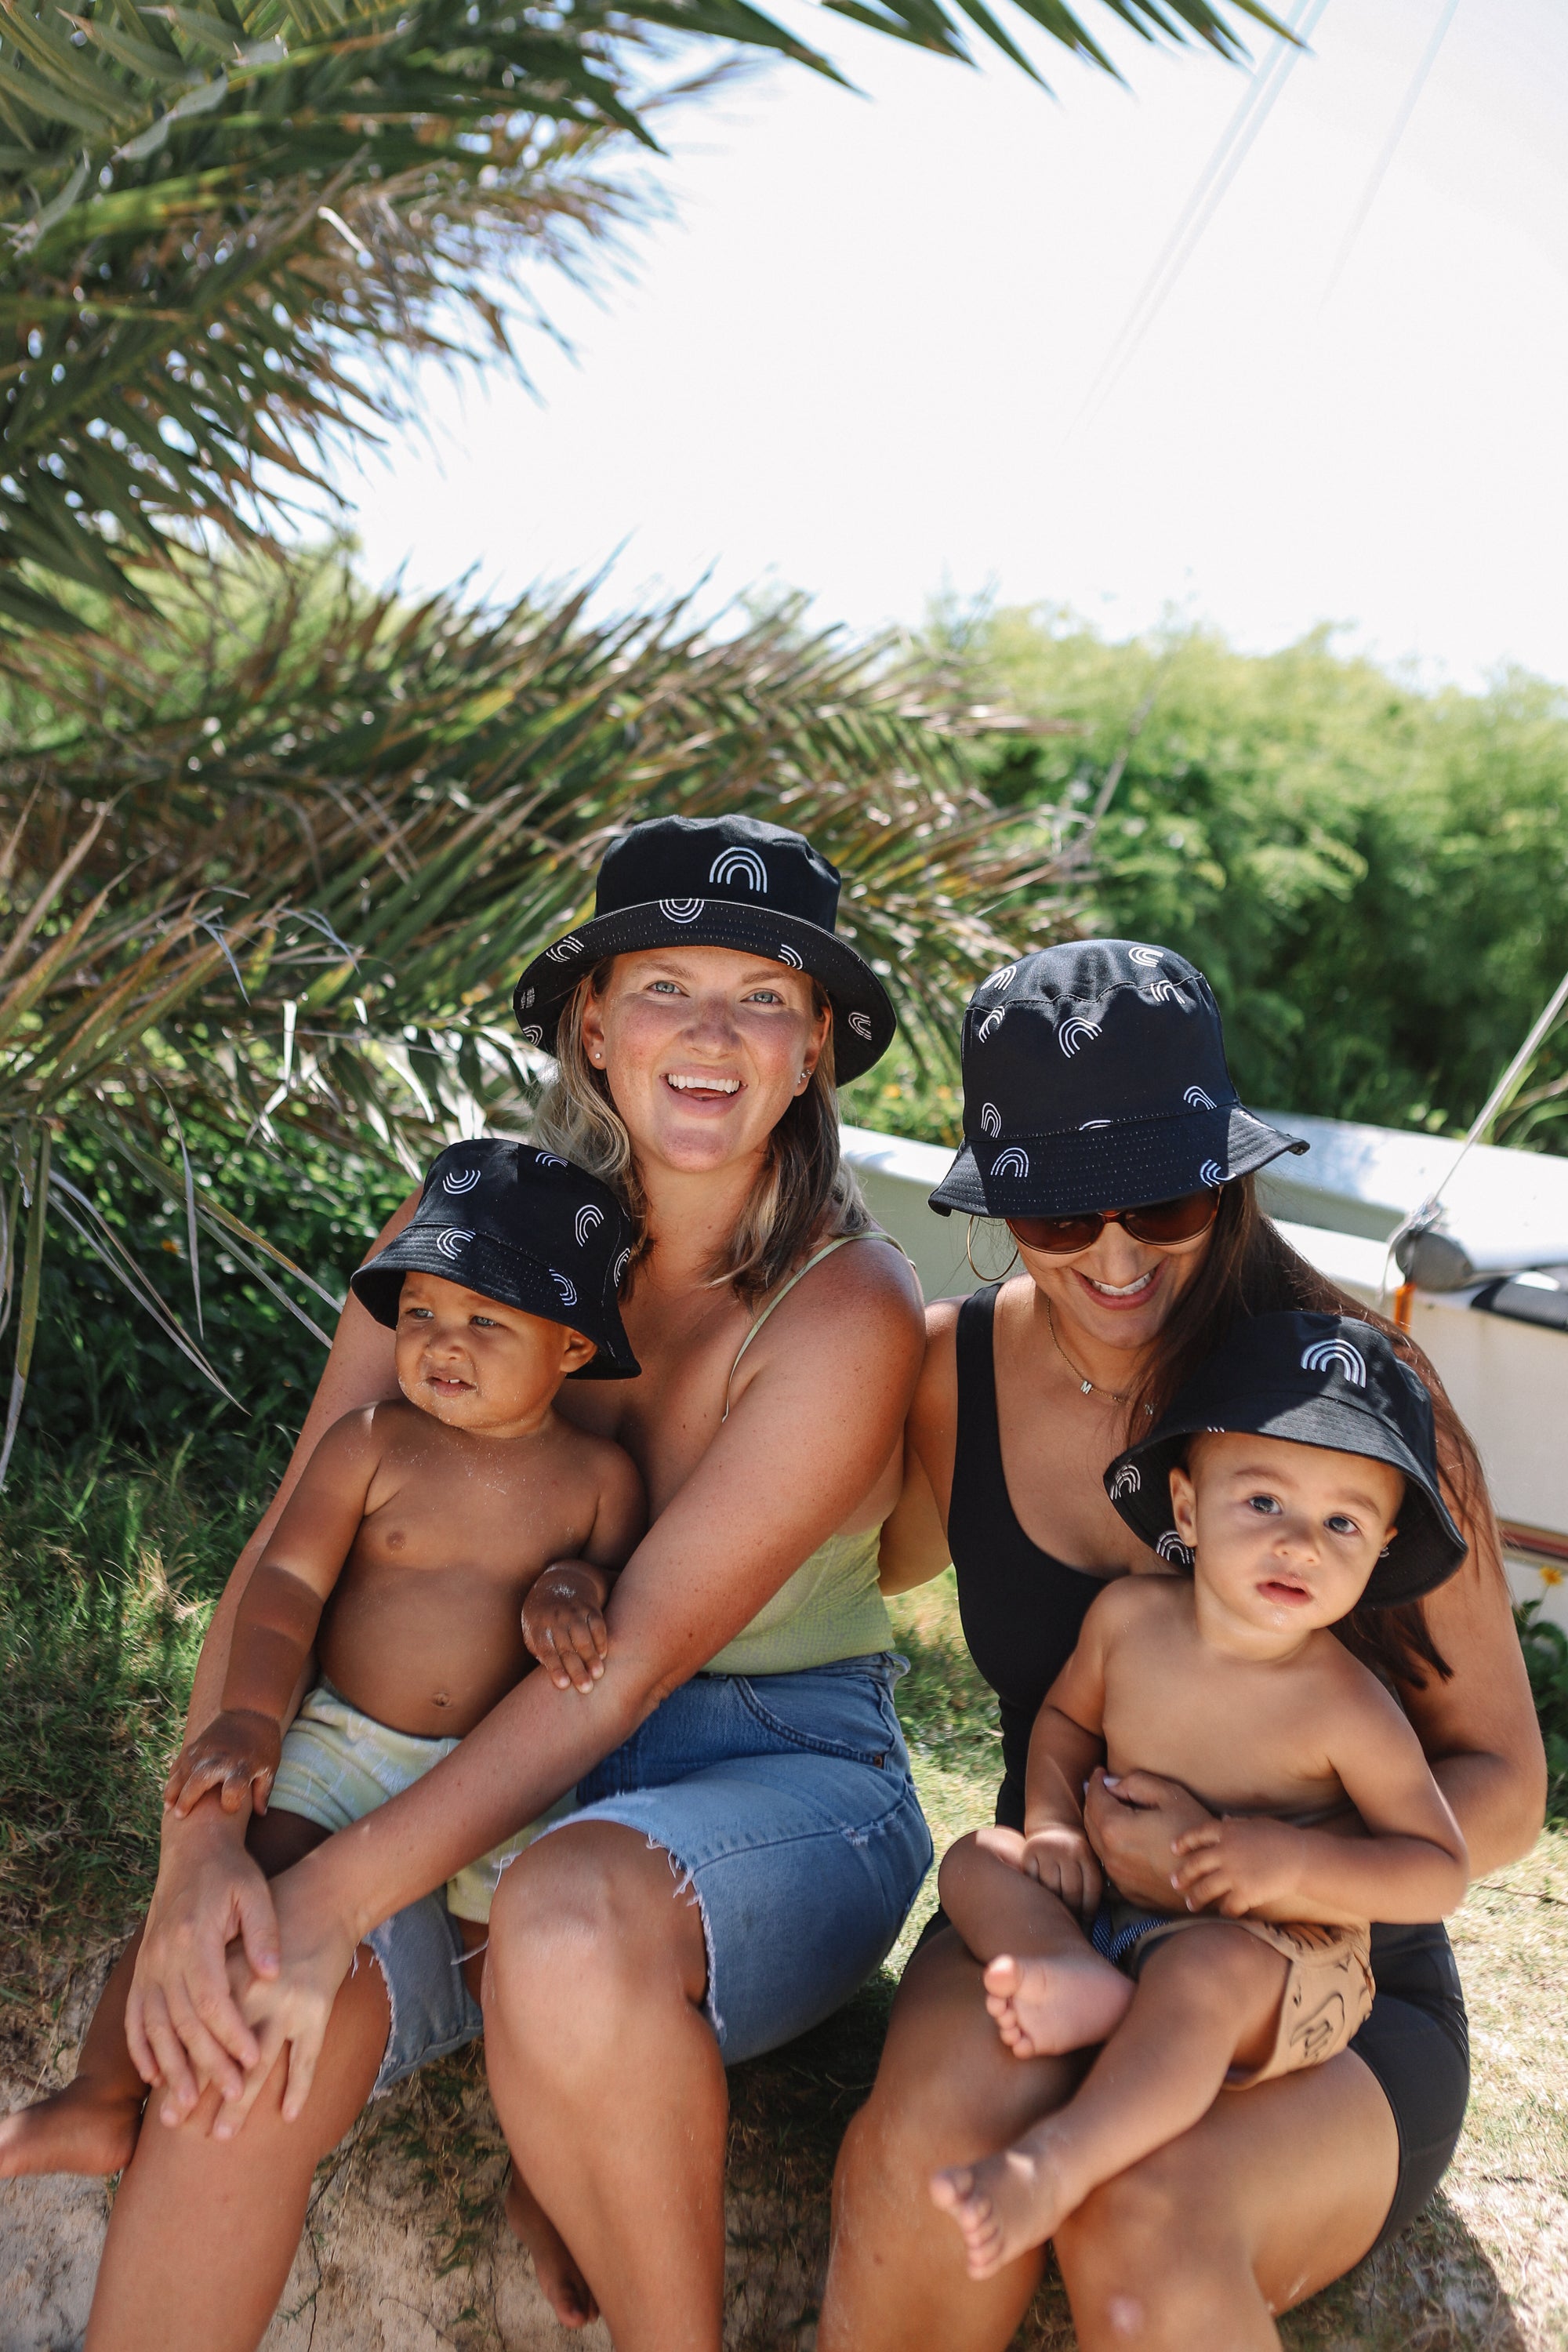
(914, 1538)
(208, 1889)
(836, 1368)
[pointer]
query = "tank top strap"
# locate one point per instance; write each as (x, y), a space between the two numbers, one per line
(980, 1496)
(782, 1293)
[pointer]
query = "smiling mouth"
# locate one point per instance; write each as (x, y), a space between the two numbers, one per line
(686, 1082)
(1120, 1291)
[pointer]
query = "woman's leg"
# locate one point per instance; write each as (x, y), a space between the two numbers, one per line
(946, 2092)
(1206, 1999)
(204, 2231)
(1279, 2190)
(607, 2078)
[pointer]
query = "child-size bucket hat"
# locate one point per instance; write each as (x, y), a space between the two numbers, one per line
(1095, 1077)
(1318, 1380)
(716, 882)
(522, 1226)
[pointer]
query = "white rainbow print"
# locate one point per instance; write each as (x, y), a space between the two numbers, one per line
(449, 1240)
(1002, 977)
(547, 1160)
(534, 1034)
(1085, 1124)
(1195, 1099)
(567, 1288)
(993, 1020)
(791, 956)
(524, 998)
(459, 1179)
(1127, 1481)
(680, 910)
(860, 1024)
(1011, 1162)
(1143, 955)
(618, 1270)
(588, 1220)
(1075, 1034)
(1171, 1547)
(1164, 992)
(1211, 1173)
(1325, 1355)
(565, 949)
(990, 1120)
(740, 865)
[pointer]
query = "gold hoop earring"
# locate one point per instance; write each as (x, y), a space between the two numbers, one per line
(974, 1270)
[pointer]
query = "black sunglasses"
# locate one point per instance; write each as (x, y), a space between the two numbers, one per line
(1162, 1224)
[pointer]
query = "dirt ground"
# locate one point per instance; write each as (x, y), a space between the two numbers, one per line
(405, 2251)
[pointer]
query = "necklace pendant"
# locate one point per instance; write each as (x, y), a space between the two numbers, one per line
(1089, 1388)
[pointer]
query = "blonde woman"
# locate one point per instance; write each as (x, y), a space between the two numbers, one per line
(748, 1839)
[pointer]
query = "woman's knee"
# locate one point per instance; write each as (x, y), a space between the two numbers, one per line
(580, 1925)
(1147, 2255)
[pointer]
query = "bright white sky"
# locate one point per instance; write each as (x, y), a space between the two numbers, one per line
(851, 362)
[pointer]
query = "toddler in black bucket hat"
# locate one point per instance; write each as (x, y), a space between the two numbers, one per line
(1294, 1480)
(437, 1538)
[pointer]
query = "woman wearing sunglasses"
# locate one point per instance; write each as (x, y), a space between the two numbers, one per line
(1104, 1132)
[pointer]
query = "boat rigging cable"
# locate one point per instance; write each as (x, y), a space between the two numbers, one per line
(1208, 193)
(1421, 1221)
(1390, 148)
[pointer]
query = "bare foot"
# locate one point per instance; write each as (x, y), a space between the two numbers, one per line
(561, 2283)
(79, 2129)
(1043, 2007)
(1004, 2205)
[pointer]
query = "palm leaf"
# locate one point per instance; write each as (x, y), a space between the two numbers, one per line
(231, 230)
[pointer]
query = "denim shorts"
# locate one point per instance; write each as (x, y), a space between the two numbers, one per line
(786, 1802)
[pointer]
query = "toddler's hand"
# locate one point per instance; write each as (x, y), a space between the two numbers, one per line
(1233, 1867)
(237, 1752)
(1062, 1859)
(563, 1626)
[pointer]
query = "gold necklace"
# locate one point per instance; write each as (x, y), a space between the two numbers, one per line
(1089, 1387)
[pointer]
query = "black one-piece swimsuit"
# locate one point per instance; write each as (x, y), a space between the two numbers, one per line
(1022, 1609)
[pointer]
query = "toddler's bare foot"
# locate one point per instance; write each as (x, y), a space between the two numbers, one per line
(1004, 2205)
(561, 2283)
(1043, 2007)
(82, 2128)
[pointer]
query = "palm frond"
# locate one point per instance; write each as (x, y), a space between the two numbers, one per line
(233, 227)
(280, 879)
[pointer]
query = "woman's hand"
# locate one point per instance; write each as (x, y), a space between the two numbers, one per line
(564, 1623)
(293, 2006)
(1133, 1824)
(182, 2023)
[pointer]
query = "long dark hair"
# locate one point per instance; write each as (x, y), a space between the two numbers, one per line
(1249, 1268)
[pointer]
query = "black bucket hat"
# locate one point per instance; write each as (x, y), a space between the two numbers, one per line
(716, 882)
(1318, 1380)
(525, 1227)
(1095, 1077)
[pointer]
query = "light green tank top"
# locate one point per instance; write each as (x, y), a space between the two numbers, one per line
(831, 1607)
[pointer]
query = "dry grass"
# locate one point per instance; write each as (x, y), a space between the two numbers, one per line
(88, 1694)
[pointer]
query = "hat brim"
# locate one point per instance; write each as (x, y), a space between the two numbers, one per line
(863, 1016)
(1424, 1552)
(1117, 1163)
(495, 1271)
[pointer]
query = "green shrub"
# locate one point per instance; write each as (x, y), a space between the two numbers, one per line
(1545, 1649)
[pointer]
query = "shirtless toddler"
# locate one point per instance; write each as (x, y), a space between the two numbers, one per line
(1295, 1478)
(434, 1542)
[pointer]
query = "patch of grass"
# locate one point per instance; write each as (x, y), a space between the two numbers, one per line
(109, 1566)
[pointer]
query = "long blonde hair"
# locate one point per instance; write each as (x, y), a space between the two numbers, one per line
(807, 1195)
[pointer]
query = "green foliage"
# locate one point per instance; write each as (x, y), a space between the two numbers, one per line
(231, 226)
(107, 1572)
(1545, 1649)
(1375, 878)
(272, 888)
